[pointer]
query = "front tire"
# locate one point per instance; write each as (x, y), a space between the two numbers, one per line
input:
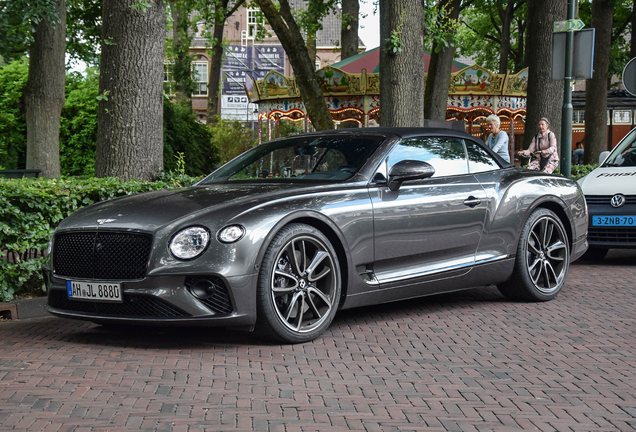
(543, 259)
(298, 286)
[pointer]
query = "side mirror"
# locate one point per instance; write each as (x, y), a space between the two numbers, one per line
(602, 157)
(409, 170)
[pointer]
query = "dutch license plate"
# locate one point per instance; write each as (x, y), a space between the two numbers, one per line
(97, 291)
(614, 220)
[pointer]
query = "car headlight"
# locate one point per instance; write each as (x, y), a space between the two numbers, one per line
(231, 234)
(190, 242)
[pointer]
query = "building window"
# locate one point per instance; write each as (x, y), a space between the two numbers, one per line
(252, 22)
(622, 117)
(200, 77)
(167, 78)
(578, 117)
(317, 65)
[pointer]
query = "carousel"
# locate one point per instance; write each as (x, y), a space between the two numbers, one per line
(474, 93)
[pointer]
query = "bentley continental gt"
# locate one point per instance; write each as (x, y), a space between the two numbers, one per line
(279, 239)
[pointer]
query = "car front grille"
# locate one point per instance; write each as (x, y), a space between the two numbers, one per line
(605, 199)
(616, 235)
(133, 306)
(101, 255)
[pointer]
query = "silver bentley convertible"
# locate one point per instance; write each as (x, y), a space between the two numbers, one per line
(279, 239)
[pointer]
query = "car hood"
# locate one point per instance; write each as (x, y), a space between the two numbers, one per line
(610, 181)
(150, 211)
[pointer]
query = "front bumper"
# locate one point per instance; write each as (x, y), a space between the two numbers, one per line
(610, 237)
(162, 300)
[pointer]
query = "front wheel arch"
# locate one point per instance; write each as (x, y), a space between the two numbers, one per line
(324, 225)
(299, 285)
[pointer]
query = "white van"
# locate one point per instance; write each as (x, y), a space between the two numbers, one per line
(610, 192)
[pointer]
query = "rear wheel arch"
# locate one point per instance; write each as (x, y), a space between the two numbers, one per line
(559, 211)
(542, 258)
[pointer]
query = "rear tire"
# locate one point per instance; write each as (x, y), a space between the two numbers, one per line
(543, 259)
(298, 286)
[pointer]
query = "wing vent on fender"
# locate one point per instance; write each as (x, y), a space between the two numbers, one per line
(366, 274)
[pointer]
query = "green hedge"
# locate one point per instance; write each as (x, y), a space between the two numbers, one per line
(580, 171)
(31, 208)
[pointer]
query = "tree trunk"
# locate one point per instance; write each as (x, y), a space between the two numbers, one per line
(596, 87)
(44, 95)
(402, 71)
(216, 62)
(130, 110)
(519, 55)
(288, 32)
(506, 16)
(439, 70)
(545, 96)
(349, 29)
(220, 16)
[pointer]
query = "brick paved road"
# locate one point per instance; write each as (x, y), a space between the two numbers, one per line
(465, 362)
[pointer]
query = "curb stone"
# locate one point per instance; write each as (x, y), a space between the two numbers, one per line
(25, 308)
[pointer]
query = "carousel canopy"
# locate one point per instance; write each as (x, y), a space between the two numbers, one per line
(370, 60)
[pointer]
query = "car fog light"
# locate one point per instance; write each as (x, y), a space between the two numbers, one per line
(203, 289)
(190, 243)
(231, 234)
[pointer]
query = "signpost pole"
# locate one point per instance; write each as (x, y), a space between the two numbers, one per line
(566, 113)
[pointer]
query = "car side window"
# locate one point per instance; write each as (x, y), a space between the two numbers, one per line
(478, 158)
(446, 155)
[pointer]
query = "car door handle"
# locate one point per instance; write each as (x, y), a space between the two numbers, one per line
(472, 201)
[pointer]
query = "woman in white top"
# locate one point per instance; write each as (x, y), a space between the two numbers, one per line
(497, 140)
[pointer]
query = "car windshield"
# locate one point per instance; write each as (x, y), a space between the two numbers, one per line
(301, 158)
(624, 155)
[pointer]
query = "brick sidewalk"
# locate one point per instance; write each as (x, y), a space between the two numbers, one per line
(470, 361)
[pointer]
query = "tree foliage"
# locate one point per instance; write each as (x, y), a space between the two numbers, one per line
(184, 138)
(232, 138)
(483, 34)
(13, 78)
(178, 54)
(286, 27)
(621, 33)
(78, 126)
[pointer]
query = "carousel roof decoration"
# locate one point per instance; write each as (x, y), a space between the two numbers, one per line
(474, 92)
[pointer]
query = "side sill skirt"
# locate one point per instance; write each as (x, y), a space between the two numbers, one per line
(370, 278)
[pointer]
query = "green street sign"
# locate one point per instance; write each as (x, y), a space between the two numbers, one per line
(568, 25)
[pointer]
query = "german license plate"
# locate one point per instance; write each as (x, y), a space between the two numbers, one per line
(97, 291)
(614, 220)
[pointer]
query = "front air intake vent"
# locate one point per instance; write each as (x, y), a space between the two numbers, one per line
(211, 291)
(133, 306)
